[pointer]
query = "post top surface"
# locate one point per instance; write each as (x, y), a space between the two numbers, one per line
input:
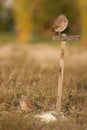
(65, 37)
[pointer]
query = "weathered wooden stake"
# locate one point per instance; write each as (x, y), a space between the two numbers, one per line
(61, 74)
(63, 40)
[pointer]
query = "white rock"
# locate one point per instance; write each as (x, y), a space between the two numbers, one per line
(46, 117)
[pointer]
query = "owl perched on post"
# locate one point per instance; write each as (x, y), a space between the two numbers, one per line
(60, 24)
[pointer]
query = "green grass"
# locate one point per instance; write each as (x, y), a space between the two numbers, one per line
(21, 75)
(10, 37)
(6, 37)
(41, 38)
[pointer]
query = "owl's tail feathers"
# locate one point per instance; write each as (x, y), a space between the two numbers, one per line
(38, 106)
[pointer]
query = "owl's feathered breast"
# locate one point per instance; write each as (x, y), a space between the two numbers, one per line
(60, 24)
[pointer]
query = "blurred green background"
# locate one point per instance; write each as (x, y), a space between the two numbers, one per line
(26, 20)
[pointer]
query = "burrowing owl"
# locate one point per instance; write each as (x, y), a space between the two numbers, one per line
(60, 24)
(27, 105)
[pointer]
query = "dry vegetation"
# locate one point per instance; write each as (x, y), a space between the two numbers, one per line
(33, 70)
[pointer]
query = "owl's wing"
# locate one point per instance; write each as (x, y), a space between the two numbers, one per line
(57, 23)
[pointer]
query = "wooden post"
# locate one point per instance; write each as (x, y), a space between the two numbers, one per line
(63, 40)
(61, 74)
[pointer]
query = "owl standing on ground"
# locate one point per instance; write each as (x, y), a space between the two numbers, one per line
(60, 24)
(27, 105)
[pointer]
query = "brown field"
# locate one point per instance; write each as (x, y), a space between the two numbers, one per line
(33, 70)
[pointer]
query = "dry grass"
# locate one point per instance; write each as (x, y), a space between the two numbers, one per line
(33, 70)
